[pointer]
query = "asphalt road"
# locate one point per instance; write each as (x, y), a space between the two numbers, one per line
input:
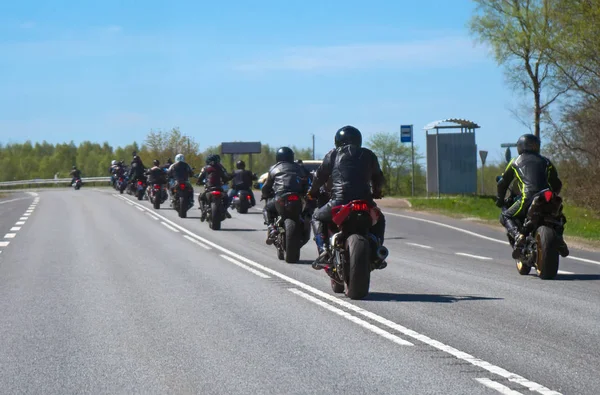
(102, 294)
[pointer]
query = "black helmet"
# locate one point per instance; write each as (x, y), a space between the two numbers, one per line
(348, 135)
(284, 154)
(528, 143)
(155, 162)
(240, 164)
(214, 158)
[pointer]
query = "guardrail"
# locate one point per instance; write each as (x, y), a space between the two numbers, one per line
(51, 181)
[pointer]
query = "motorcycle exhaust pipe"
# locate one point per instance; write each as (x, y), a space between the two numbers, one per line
(382, 253)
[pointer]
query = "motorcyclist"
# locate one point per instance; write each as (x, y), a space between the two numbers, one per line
(283, 177)
(136, 171)
(353, 171)
(242, 181)
(180, 172)
(213, 176)
(168, 164)
(156, 174)
(533, 173)
(75, 174)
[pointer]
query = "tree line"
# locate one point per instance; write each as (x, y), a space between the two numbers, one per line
(550, 51)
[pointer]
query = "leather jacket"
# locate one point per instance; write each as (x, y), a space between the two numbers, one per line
(285, 177)
(533, 172)
(180, 171)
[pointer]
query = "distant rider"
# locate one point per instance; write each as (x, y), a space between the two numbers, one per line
(75, 174)
(136, 171)
(213, 176)
(533, 173)
(283, 177)
(353, 171)
(242, 181)
(180, 172)
(156, 174)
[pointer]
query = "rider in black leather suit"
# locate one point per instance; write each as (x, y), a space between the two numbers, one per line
(283, 177)
(533, 173)
(354, 171)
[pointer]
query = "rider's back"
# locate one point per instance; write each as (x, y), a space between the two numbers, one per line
(533, 171)
(352, 171)
(288, 177)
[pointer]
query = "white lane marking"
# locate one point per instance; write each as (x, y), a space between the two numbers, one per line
(13, 200)
(504, 390)
(196, 242)
(23, 219)
(15, 228)
(10, 235)
(169, 227)
(140, 209)
(472, 233)
(152, 216)
(29, 211)
(419, 245)
(33, 194)
(129, 203)
(240, 264)
(26, 214)
(483, 258)
(565, 272)
(4, 243)
(533, 386)
(352, 318)
(20, 223)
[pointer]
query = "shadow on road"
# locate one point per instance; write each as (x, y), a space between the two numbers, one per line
(395, 238)
(577, 277)
(427, 298)
(239, 230)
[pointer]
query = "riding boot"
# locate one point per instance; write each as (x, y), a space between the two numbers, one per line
(320, 240)
(562, 247)
(513, 231)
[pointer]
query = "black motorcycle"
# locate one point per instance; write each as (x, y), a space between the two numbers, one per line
(543, 227)
(292, 227)
(353, 251)
(213, 210)
(181, 198)
(157, 195)
(242, 201)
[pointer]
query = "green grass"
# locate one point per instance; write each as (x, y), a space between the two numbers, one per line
(580, 222)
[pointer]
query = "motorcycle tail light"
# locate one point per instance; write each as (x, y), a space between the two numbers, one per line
(182, 186)
(360, 207)
(292, 198)
(548, 196)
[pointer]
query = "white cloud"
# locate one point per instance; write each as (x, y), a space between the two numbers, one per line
(27, 25)
(432, 53)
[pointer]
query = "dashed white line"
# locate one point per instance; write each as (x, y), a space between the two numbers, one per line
(26, 214)
(565, 272)
(419, 245)
(4, 243)
(483, 258)
(13, 200)
(20, 223)
(240, 264)
(504, 390)
(196, 242)
(10, 235)
(152, 216)
(15, 228)
(169, 227)
(23, 219)
(352, 318)
(533, 386)
(29, 211)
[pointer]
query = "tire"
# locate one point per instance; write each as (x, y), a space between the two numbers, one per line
(156, 202)
(547, 255)
(523, 269)
(280, 254)
(182, 207)
(243, 206)
(215, 216)
(140, 195)
(292, 241)
(359, 268)
(121, 191)
(337, 287)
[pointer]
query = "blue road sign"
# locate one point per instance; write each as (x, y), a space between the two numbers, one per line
(406, 132)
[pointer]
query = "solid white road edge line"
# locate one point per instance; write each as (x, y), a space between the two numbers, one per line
(140, 209)
(197, 242)
(152, 216)
(533, 386)
(419, 245)
(483, 258)
(504, 390)
(472, 233)
(169, 227)
(356, 320)
(240, 264)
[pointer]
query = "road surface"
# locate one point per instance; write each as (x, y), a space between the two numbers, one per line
(100, 293)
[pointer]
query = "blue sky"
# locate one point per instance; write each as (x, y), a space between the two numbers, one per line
(274, 71)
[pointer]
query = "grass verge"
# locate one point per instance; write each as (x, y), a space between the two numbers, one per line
(581, 223)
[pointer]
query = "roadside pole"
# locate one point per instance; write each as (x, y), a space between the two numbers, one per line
(406, 136)
(483, 156)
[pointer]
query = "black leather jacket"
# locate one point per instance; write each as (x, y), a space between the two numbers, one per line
(157, 175)
(213, 176)
(242, 179)
(285, 177)
(353, 171)
(180, 171)
(533, 173)
(136, 171)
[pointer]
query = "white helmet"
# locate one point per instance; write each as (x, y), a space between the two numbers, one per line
(179, 158)
(114, 162)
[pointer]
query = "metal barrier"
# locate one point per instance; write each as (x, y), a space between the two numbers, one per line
(52, 181)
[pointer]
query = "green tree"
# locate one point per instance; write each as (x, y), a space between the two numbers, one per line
(522, 35)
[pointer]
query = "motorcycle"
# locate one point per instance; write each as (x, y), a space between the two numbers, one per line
(77, 184)
(157, 195)
(214, 210)
(292, 227)
(353, 251)
(181, 198)
(242, 201)
(140, 189)
(543, 225)
(121, 184)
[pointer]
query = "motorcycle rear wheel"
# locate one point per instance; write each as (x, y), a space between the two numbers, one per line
(547, 255)
(358, 271)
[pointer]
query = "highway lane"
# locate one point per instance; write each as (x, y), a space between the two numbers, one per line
(539, 329)
(99, 296)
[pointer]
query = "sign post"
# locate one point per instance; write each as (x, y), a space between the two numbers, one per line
(483, 156)
(406, 136)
